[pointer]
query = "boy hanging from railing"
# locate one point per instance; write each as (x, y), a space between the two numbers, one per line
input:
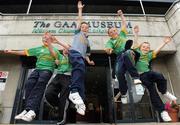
(149, 77)
(125, 57)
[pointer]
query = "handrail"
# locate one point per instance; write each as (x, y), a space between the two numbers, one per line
(112, 89)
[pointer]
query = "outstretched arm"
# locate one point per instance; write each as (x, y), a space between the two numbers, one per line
(120, 13)
(80, 8)
(63, 44)
(20, 52)
(166, 40)
(136, 32)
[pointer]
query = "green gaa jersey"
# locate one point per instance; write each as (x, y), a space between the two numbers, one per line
(117, 44)
(44, 58)
(143, 63)
(64, 65)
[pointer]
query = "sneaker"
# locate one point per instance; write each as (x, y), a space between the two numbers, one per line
(139, 89)
(29, 116)
(19, 116)
(116, 80)
(124, 99)
(170, 96)
(76, 98)
(165, 116)
(137, 81)
(81, 109)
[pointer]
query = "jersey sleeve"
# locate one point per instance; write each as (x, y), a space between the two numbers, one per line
(151, 55)
(109, 44)
(123, 33)
(32, 51)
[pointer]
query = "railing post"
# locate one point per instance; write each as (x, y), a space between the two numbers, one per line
(112, 87)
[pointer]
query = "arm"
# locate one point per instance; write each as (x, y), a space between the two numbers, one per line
(20, 53)
(90, 62)
(57, 62)
(53, 53)
(108, 50)
(50, 47)
(166, 40)
(80, 8)
(63, 44)
(136, 43)
(108, 47)
(120, 13)
(52, 39)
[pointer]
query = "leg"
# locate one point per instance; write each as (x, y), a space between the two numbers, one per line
(78, 73)
(65, 82)
(129, 63)
(120, 73)
(159, 79)
(154, 96)
(37, 92)
(52, 91)
(30, 83)
(161, 84)
(77, 86)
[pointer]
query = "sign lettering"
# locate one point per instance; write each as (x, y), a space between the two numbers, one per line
(57, 27)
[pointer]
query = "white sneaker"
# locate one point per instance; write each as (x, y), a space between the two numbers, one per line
(124, 99)
(19, 116)
(29, 116)
(116, 80)
(81, 109)
(165, 116)
(139, 89)
(137, 81)
(170, 96)
(76, 98)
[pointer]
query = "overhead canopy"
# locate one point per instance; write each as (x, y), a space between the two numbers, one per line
(92, 6)
(74, 1)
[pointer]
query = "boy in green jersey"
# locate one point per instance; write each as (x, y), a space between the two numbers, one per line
(38, 79)
(57, 91)
(149, 77)
(125, 58)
